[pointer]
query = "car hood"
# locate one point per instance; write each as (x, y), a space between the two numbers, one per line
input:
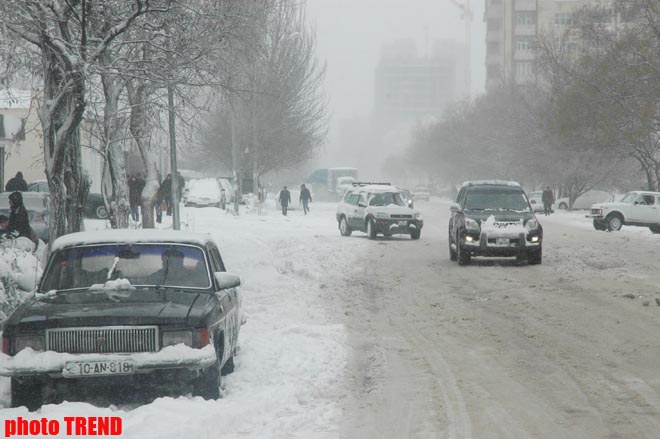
(103, 308)
(499, 216)
(612, 205)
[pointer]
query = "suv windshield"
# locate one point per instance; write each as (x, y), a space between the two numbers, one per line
(492, 200)
(141, 264)
(386, 198)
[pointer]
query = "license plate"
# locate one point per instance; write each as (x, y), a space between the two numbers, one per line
(502, 241)
(97, 368)
(403, 223)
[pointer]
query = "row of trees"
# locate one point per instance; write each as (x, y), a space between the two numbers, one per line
(109, 65)
(590, 119)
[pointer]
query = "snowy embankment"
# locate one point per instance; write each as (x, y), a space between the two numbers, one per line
(292, 359)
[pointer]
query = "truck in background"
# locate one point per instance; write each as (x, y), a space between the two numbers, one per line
(325, 181)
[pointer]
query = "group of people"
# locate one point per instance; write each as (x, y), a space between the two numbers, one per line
(163, 200)
(285, 199)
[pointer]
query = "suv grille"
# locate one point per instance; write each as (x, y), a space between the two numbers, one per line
(401, 216)
(104, 339)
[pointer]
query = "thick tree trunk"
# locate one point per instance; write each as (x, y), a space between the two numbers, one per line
(119, 207)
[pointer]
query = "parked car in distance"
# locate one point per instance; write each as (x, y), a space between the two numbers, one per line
(494, 218)
(377, 208)
(125, 308)
(203, 192)
(344, 184)
(407, 197)
(536, 201)
(36, 204)
(586, 200)
(422, 193)
(94, 207)
(637, 208)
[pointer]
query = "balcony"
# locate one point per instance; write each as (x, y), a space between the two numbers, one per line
(524, 30)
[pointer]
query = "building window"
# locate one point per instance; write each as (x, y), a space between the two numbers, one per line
(525, 18)
(494, 24)
(523, 71)
(564, 19)
(493, 47)
(524, 44)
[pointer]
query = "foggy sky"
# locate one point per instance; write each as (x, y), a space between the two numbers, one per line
(351, 33)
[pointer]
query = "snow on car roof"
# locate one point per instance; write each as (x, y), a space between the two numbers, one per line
(126, 236)
(373, 188)
(491, 182)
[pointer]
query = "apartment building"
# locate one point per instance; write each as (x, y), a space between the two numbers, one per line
(512, 27)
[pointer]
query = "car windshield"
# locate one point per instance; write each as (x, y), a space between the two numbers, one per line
(629, 197)
(386, 198)
(490, 200)
(163, 265)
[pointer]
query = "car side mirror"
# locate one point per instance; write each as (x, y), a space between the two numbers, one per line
(455, 207)
(227, 280)
(361, 204)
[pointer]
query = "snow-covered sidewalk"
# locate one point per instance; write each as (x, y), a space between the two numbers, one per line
(290, 370)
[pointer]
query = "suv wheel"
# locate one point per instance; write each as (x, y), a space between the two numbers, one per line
(464, 257)
(655, 228)
(614, 222)
(344, 229)
(452, 253)
(101, 212)
(371, 230)
(535, 256)
(415, 234)
(563, 206)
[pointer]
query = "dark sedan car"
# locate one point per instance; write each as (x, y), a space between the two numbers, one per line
(94, 207)
(125, 308)
(36, 204)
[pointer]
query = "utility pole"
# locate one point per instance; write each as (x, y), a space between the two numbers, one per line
(176, 224)
(234, 156)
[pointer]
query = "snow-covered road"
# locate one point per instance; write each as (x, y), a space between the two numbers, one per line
(348, 337)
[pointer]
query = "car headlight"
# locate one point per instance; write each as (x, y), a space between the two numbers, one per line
(35, 342)
(175, 337)
(471, 224)
(418, 216)
(382, 215)
(532, 224)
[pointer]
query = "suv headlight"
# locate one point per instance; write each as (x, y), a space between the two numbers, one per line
(175, 337)
(36, 342)
(471, 224)
(382, 215)
(532, 224)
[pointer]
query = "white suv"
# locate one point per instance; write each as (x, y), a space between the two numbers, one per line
(638, 208)
(377, 208)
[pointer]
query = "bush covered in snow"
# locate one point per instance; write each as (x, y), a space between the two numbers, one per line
(20, 271)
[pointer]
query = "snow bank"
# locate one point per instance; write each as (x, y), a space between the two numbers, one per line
(20, 272)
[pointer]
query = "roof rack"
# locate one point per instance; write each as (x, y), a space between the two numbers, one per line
(369, 183)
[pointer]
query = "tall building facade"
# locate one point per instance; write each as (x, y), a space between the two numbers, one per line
(512, 27)
(409, 87)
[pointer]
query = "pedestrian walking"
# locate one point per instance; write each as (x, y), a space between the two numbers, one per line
(285, 199)
(17, 183)
(135, 187)
(19, 221)
(166, 192)
(548, 199)
(305, 198)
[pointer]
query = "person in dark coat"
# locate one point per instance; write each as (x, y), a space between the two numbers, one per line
(19, 221)
(17, 183)
(548, 199)
(181, 184)
(305, 198)
(135, 187)
(166, 193)
(285, 199)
